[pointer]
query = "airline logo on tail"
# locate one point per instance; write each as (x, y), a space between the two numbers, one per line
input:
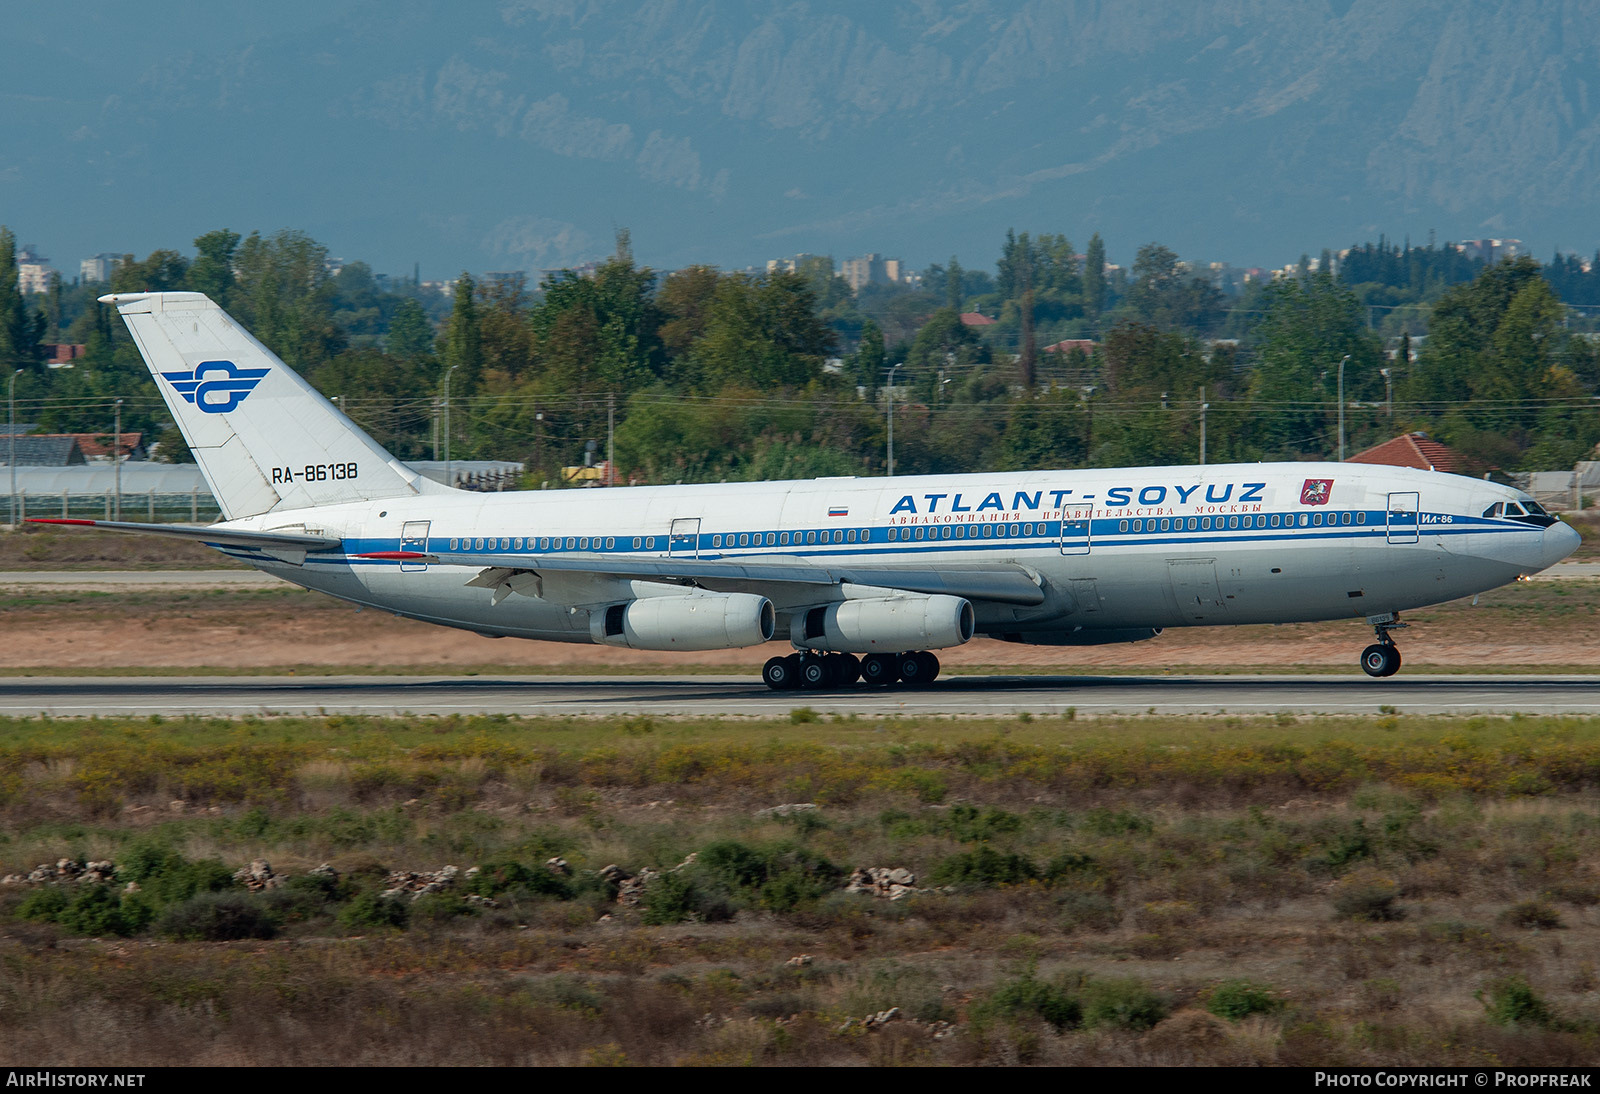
(215, 387)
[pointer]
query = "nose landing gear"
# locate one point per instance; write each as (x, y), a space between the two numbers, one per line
(1382, 658)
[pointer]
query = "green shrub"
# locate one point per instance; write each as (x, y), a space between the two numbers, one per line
(1088, 911)
(439, 908)
(44, 904)
(519, 881)
(778, 876)
(1532, 915)
(984, 868)
(1512, 1002)
(166, 877)
(217, 917)
(681, 896)
(93, 910)
(1236, 999)
(966, 824)
(1123, 822)
(1368, 895)
(369, 911)
(1123, 1003)
(1027, 997)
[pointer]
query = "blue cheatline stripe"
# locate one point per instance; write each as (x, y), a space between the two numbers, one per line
(1104, 532)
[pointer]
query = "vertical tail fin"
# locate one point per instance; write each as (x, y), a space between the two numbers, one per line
(265, 439)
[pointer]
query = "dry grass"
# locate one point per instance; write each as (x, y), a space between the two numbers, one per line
(1129, 868)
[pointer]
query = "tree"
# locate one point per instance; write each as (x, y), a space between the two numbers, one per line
(461, 343)
(285, 297)
(1164, 297)
(410, 334)
(1094, 278)
(1308, 327)
(763, 333)
(211, 272)
(870, 357)
(20, 330)
(953, 295)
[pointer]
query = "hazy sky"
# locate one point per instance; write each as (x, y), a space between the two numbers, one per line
(520, 135)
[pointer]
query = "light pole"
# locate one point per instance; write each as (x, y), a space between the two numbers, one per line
(116, 446)
(11, 426)
(1204, 406)
(890, 414)
(448, 371)
(1345, 360)
(1388, 391)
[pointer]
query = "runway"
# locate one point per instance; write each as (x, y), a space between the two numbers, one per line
(706, 696)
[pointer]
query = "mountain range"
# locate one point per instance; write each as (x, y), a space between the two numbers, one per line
(521, 134)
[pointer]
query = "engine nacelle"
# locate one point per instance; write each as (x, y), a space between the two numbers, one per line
(893, 624)
(711, 621)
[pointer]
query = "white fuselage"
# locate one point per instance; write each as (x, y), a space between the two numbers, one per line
(1116, 552)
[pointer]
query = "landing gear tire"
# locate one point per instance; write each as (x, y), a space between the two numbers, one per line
(917, 669)
(782, 673)
(843, 669)
(814, 673)
(1380, 660)
(879, 669)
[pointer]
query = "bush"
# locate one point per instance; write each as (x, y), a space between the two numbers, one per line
(369, 911)
(1237, 999)
(1532, 915)
(779, 877)
(966, 824)
(680, 896)
(1124, 1003)
(1088, 911)
(519, 881)
(1513, 1002)
(1027, 997)
(984, 868)
(217, 917)
(166, 877)
(94, 910)
(1368, 895)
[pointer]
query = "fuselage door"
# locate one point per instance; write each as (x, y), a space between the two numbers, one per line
(1403, 508)
(1075, 522)
(684, 539)
(1193, 582)
(414, 537)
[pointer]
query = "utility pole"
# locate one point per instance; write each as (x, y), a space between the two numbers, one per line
(11, 425)
(1343, 362)
(1203, 407)
(448, 481)
(116, 449)
(1388, 391)
(890, 391)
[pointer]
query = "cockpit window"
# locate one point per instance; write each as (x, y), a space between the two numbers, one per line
(1495, 510)
(1513, 509)
(1535, 508)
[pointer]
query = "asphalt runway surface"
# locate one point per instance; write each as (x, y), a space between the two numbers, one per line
(970, 696)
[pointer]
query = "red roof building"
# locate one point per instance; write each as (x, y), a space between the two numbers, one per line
(1414, 450)
(1087, 345)
(977, 319)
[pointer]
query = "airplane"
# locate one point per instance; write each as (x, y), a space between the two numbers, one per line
(865, 577)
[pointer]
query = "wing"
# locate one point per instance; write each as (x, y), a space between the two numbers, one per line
(998, 584)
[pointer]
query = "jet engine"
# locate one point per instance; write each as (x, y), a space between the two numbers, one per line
(892, 624)
(708, 621)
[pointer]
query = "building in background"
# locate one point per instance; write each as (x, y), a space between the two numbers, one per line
(33, 271)
(99, 268)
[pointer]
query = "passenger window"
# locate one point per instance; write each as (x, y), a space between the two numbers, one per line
(611, 543)
(783, 539)
(1361, 517)
(583, 544)
(454, 544)
(988, 531)
(852, 535)
(811, 537)
(1122, 526)
(571, 543)
(1344, 518)
(636, 542)
(894, 534)
(650, 544)
(1205, 523)
(744, 539)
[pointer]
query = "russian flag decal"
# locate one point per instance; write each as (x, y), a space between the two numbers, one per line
(838, 511)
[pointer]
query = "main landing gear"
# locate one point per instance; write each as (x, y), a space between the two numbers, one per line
(835, 670)
(1382, 658)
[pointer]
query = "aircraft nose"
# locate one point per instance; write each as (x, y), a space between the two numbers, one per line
(1559, 541)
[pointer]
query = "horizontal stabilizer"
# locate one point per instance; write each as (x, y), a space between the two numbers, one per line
(224, 536)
